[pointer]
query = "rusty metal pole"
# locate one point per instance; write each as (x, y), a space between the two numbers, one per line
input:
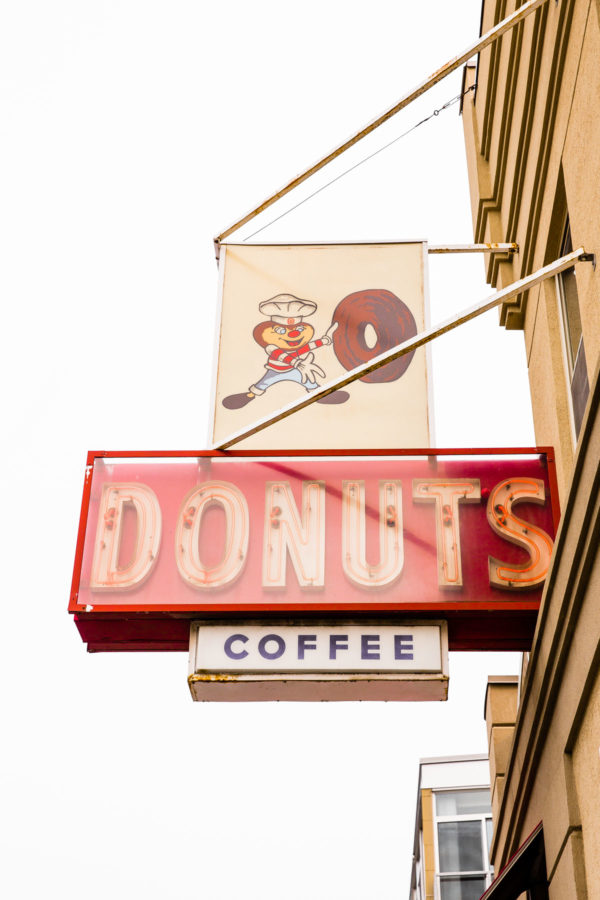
(513, 290)
(452, 64)
(473, 248)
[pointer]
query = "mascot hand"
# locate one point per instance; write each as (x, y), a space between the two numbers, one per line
(307, 368)
(327, 337)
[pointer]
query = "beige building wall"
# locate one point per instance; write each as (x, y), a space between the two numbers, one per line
(500, 716)
(428, 845)
(532, 133)
(586, 765)
(553, 770)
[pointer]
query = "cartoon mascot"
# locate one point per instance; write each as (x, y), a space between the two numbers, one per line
(288, 343)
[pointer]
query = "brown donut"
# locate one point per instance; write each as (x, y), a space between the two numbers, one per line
(393, 322)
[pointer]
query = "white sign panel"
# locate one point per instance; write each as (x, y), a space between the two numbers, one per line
(295, 317)
(318, 661)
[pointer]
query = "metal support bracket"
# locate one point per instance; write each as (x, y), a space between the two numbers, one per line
(589, 257)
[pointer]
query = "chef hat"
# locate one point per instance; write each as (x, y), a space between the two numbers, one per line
(285, 309)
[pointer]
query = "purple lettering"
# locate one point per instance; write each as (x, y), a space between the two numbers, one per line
(369, 646)
(262, 646)
(230, 652)
(337, 642)
(306, 642)
(403, 646)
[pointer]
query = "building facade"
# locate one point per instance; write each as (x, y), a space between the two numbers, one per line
(453, 829)
(532, 133)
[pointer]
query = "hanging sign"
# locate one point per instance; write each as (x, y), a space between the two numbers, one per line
(166, 538)
(294, 317)
(318, 661)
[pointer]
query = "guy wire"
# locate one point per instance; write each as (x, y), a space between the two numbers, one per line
(432, 115)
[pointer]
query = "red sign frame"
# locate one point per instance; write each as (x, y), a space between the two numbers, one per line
(503, 620)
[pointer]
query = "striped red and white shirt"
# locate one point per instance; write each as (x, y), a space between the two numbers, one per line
(281, 360)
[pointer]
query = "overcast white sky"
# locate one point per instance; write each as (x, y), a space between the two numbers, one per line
(130, 134)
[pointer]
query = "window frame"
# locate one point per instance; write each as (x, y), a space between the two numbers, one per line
(486, 873)
(571, 359)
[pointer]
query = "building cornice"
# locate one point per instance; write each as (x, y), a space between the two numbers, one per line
(507, 126)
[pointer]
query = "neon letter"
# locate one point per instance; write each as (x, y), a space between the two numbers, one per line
(187, 535)
(302, 536)
(391, 548)
(447, 493)
(538, 544)
(107, 573)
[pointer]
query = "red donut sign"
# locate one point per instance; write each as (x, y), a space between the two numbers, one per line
(295, 317)
(167, 538)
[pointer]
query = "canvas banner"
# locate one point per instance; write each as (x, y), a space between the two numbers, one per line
(295, 317)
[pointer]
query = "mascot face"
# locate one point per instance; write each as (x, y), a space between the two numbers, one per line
(287, 337)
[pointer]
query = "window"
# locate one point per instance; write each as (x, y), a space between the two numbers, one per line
(463, 832)
(572, 335)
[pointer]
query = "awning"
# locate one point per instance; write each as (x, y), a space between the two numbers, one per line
(525, 871)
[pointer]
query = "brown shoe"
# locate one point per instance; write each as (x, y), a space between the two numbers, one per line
(236, 401)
